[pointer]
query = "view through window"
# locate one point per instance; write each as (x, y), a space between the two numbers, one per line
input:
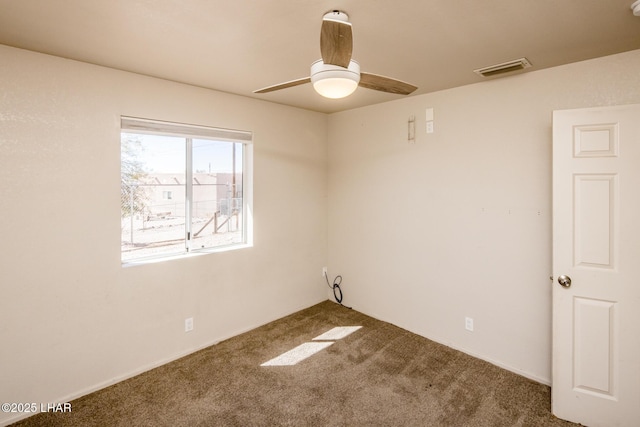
(182, 188)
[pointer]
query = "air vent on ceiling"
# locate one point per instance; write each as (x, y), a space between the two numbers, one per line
(505, 67)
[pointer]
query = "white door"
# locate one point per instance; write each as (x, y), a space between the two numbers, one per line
(596, 255)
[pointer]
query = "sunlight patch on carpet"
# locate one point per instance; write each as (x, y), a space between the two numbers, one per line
(337, 333)
(297, 354)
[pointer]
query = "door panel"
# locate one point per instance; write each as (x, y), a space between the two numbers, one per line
(596, 242)
(594, 204)
(594, 356)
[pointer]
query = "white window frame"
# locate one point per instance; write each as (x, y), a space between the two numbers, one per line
(155, 127)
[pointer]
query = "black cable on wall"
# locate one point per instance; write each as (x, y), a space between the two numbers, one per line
(337, 292)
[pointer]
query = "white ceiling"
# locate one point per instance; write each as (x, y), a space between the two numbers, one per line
(239, 46)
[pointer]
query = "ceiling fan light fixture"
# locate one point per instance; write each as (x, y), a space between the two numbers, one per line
(332, 81)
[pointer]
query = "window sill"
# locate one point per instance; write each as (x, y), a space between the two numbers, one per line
(163, 258)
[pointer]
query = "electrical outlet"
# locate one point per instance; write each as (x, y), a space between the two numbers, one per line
(324, 271)
(188, 324)
(468, 324)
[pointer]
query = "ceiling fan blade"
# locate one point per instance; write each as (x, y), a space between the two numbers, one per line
(336, 42)
(385, 84)
(284, 85)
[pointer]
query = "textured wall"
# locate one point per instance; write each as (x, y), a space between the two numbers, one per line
(71, 318)
(459, 223)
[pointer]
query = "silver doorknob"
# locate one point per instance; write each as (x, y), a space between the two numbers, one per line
(565, 281)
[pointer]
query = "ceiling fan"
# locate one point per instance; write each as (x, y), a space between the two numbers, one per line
(336, 75)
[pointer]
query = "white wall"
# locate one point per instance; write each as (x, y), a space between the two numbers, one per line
(71, 318)
(459, 223)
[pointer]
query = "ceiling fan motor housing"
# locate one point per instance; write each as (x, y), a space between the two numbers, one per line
(336, 15)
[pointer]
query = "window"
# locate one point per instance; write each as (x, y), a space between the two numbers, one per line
(183, 188)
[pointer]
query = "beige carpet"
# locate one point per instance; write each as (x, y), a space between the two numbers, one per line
(379, 375)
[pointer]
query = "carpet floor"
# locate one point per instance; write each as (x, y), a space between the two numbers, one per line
(379, 375)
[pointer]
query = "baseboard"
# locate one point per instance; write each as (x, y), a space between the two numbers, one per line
(545, 381)
(145, 368)
(112, 381)
(536, 378)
